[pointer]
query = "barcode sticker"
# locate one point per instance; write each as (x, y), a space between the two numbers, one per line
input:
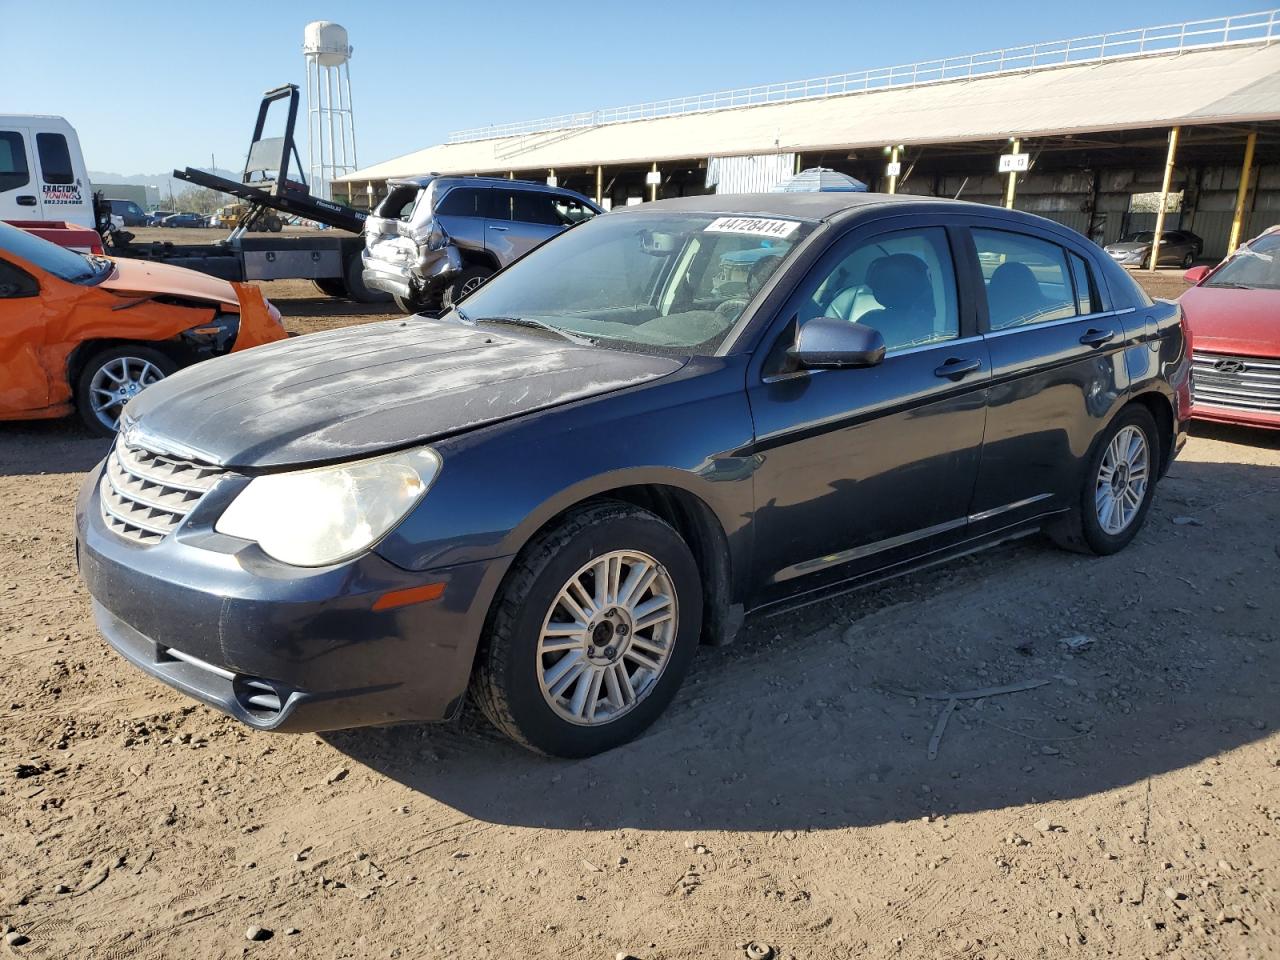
(754, 225)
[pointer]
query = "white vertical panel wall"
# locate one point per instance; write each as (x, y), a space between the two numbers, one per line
(758, 173)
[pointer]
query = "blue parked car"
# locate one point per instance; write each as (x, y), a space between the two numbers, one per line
(660, 421)
(183, 220)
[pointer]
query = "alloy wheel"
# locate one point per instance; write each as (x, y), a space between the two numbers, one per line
(607, 637)
(1122, 480)
(116, 382)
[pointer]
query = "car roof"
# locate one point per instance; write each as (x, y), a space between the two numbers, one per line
(476, 182)
(839, 206)
(809, 206)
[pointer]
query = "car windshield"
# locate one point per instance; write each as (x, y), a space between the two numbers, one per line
(61, 262)
(1256, 265)
(1145, 237)
(659, 282)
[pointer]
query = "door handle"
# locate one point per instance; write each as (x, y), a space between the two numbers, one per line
(26, 200)
(957, 367)
(1096, 338)
(494, 226)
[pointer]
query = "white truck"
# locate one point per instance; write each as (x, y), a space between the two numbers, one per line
(43, 178)
(42, 174)
(43, 181)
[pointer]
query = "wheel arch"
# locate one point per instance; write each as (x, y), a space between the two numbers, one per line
(691, 517)
(479, 258)
(86, 350)
(1161, 409)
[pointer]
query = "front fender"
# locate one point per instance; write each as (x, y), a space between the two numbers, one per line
(499, 485)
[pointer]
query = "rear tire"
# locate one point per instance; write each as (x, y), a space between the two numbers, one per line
(464, 284)
(1188, 260)
(628, 678)
(130, 368)
(332, 287)
(1084, 529)
(356, 290)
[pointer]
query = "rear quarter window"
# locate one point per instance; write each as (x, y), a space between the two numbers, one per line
(1126, 290)
(463, 202)
(55, 158)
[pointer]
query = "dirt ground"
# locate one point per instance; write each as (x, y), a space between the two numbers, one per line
(1127, 807)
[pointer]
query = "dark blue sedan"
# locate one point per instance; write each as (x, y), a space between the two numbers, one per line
(665, 419)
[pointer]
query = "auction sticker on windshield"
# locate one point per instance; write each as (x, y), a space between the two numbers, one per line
(753, 225)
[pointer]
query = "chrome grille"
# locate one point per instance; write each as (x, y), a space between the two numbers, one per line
(1236, 383)
(144, 495)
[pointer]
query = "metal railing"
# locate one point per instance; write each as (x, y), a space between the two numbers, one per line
(1261, 27)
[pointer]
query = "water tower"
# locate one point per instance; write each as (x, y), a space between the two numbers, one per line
(331, 131)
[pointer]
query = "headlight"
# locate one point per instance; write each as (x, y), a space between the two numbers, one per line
(310, 518)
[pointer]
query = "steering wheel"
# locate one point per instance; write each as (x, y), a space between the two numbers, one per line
(759, 272)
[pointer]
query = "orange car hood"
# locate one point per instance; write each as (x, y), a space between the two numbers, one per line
(147, 277)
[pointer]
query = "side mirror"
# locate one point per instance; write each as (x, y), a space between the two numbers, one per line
(1196, 274)
(827, 343)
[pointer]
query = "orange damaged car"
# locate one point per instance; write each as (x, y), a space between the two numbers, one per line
(85, 333)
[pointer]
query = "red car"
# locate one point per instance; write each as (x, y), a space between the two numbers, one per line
(1233, 320)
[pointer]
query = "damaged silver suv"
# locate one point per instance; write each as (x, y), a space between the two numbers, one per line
(435, 239)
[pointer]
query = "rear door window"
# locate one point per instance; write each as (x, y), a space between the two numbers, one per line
(525, 206)
(55, 158)
(1027, 279)
(13, 161)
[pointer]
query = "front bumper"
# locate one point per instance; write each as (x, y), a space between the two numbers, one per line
(279, 647)
(1129, 258)
(1244, 418)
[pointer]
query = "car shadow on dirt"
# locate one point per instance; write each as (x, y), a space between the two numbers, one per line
(809, 720)
(1231, 433)
(48, 446)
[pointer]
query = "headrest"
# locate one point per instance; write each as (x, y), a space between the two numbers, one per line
(899, 280)
(1016, 281)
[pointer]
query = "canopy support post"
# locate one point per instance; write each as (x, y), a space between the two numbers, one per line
(1237, 220)
(1164, 197)
(1012, 188)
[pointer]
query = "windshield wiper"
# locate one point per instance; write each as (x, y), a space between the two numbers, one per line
(533, 324)
(101, 267)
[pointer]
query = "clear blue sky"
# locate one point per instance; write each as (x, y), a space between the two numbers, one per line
(150, 86)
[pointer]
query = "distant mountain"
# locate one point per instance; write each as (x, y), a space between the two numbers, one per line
(149, 179)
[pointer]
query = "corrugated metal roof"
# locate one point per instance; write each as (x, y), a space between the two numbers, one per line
(1232, 84)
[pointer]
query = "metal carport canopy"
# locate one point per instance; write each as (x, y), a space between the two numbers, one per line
(1230, 84)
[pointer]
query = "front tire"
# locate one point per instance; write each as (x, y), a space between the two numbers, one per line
(114, 376)
(1119, 485)
(592, 633)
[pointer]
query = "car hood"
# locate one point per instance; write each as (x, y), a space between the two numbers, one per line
(1225, 320)
(145, 277)
(361, 390)
(1128, 246)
